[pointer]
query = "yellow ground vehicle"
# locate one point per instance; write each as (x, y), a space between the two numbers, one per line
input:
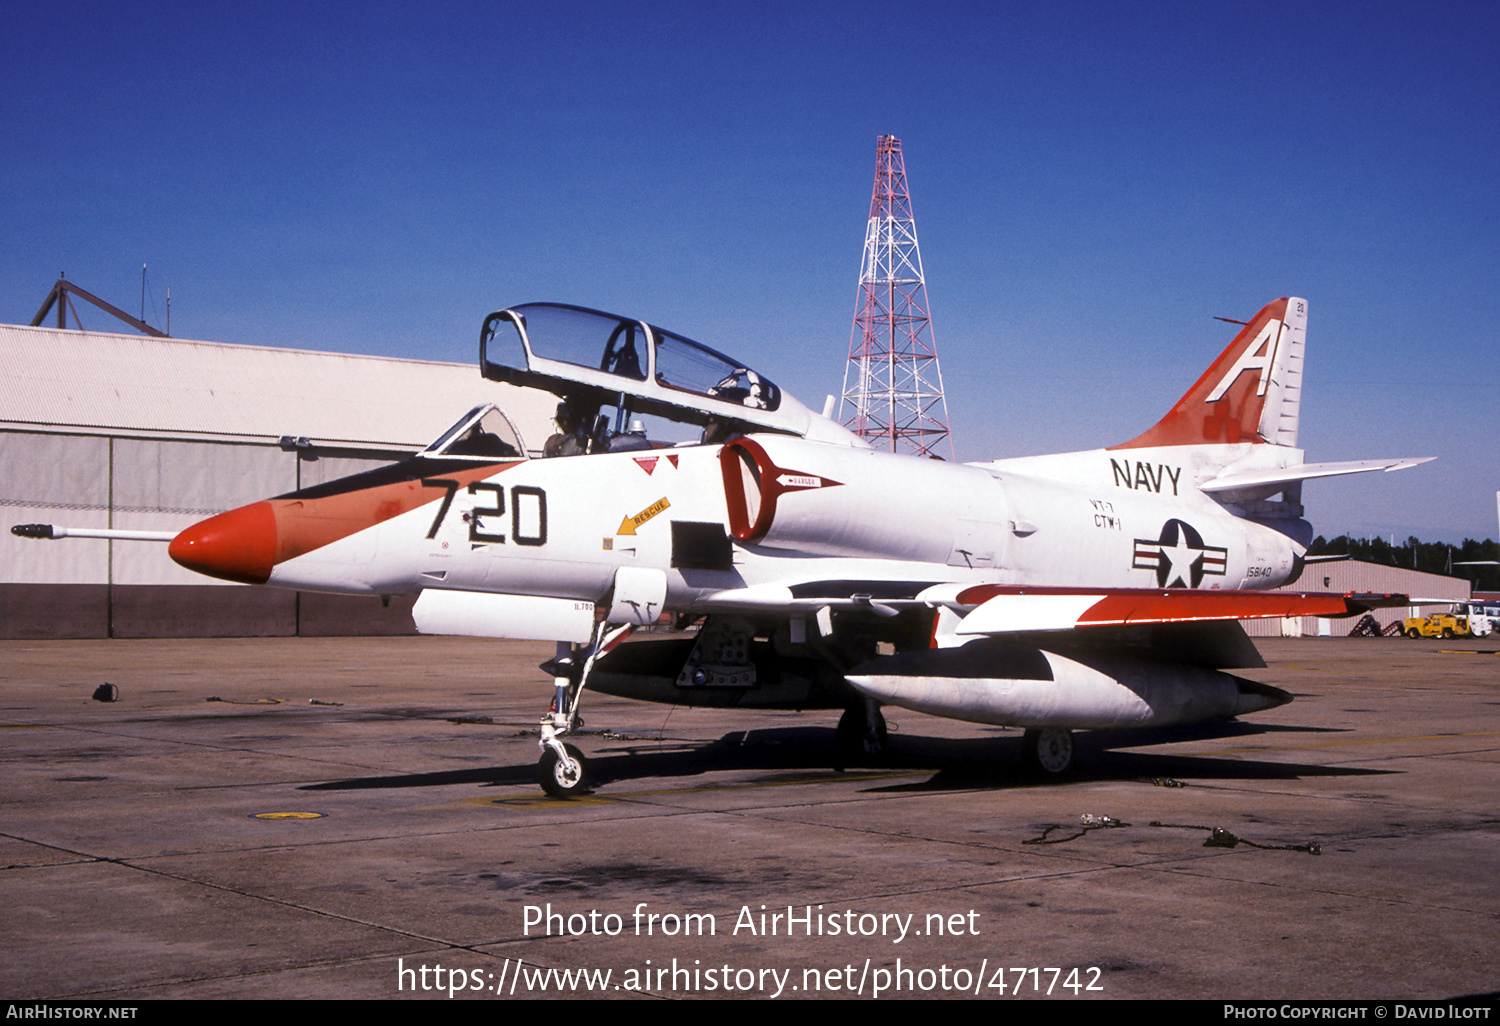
(1438, 625)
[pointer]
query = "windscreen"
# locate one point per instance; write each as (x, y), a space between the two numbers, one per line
(483, 432)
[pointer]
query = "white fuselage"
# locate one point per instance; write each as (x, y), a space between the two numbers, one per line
(563, 527)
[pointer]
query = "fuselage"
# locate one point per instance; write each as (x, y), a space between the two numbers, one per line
(764, 511)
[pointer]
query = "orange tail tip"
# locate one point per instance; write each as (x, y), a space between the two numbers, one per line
(1251, 393)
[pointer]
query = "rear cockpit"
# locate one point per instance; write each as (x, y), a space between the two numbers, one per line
(611, 373)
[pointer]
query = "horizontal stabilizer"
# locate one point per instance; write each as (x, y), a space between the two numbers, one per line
(1005, 609)
(1282, 476)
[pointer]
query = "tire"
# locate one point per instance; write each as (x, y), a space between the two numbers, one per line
(560, 779)
(1050, 751)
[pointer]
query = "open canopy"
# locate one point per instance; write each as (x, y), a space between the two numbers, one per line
(599, 358)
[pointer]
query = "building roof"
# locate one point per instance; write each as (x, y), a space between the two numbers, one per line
(96, 382)
(1347, 574)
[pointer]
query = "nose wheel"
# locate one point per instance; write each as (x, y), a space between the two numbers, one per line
(563, 775)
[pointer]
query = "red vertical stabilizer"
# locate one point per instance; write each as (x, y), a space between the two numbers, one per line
(1253, 391)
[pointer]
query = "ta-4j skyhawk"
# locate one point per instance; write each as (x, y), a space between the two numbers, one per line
(1085, 590)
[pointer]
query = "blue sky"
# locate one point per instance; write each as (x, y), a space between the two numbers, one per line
(1092, 183)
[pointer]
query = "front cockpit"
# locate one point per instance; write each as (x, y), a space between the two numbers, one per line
(484, 433)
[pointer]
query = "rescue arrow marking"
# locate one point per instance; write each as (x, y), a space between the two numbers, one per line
(629, 524)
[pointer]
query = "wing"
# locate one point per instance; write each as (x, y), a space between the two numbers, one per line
(998, 609)
(994, 610)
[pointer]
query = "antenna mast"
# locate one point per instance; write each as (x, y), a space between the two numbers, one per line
(892, 379)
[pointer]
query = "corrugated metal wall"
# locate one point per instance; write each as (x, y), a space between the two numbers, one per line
(123, 431)
(93, 588)
(1346, 575)
(129, 384)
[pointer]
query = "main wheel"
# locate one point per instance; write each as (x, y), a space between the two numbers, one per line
(860, 736)
(563, 778)
(1049, 750)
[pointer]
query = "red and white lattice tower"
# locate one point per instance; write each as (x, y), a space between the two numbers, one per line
(892, 380)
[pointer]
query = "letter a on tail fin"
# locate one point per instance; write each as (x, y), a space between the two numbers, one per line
(1253, 391)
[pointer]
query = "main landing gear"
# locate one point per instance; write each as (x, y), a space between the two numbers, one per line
(861, 735)
(563, 771)
(1049, 750)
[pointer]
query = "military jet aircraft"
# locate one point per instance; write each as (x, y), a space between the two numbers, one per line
(1086, 590)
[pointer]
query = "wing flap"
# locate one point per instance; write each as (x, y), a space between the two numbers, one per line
(1003, 609)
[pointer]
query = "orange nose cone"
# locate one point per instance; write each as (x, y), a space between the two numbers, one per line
(237, 546)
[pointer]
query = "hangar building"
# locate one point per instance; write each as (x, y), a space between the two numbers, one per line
(1346, 575)
(132, 432)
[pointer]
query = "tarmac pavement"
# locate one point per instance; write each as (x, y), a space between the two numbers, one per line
(357, 818)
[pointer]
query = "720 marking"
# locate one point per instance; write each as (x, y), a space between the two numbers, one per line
(528, 512)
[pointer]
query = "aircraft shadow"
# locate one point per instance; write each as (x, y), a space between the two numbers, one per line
(955, 764)
(1002, 765)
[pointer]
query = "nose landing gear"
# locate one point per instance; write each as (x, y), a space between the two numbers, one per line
(562, 770)
(565, 775)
